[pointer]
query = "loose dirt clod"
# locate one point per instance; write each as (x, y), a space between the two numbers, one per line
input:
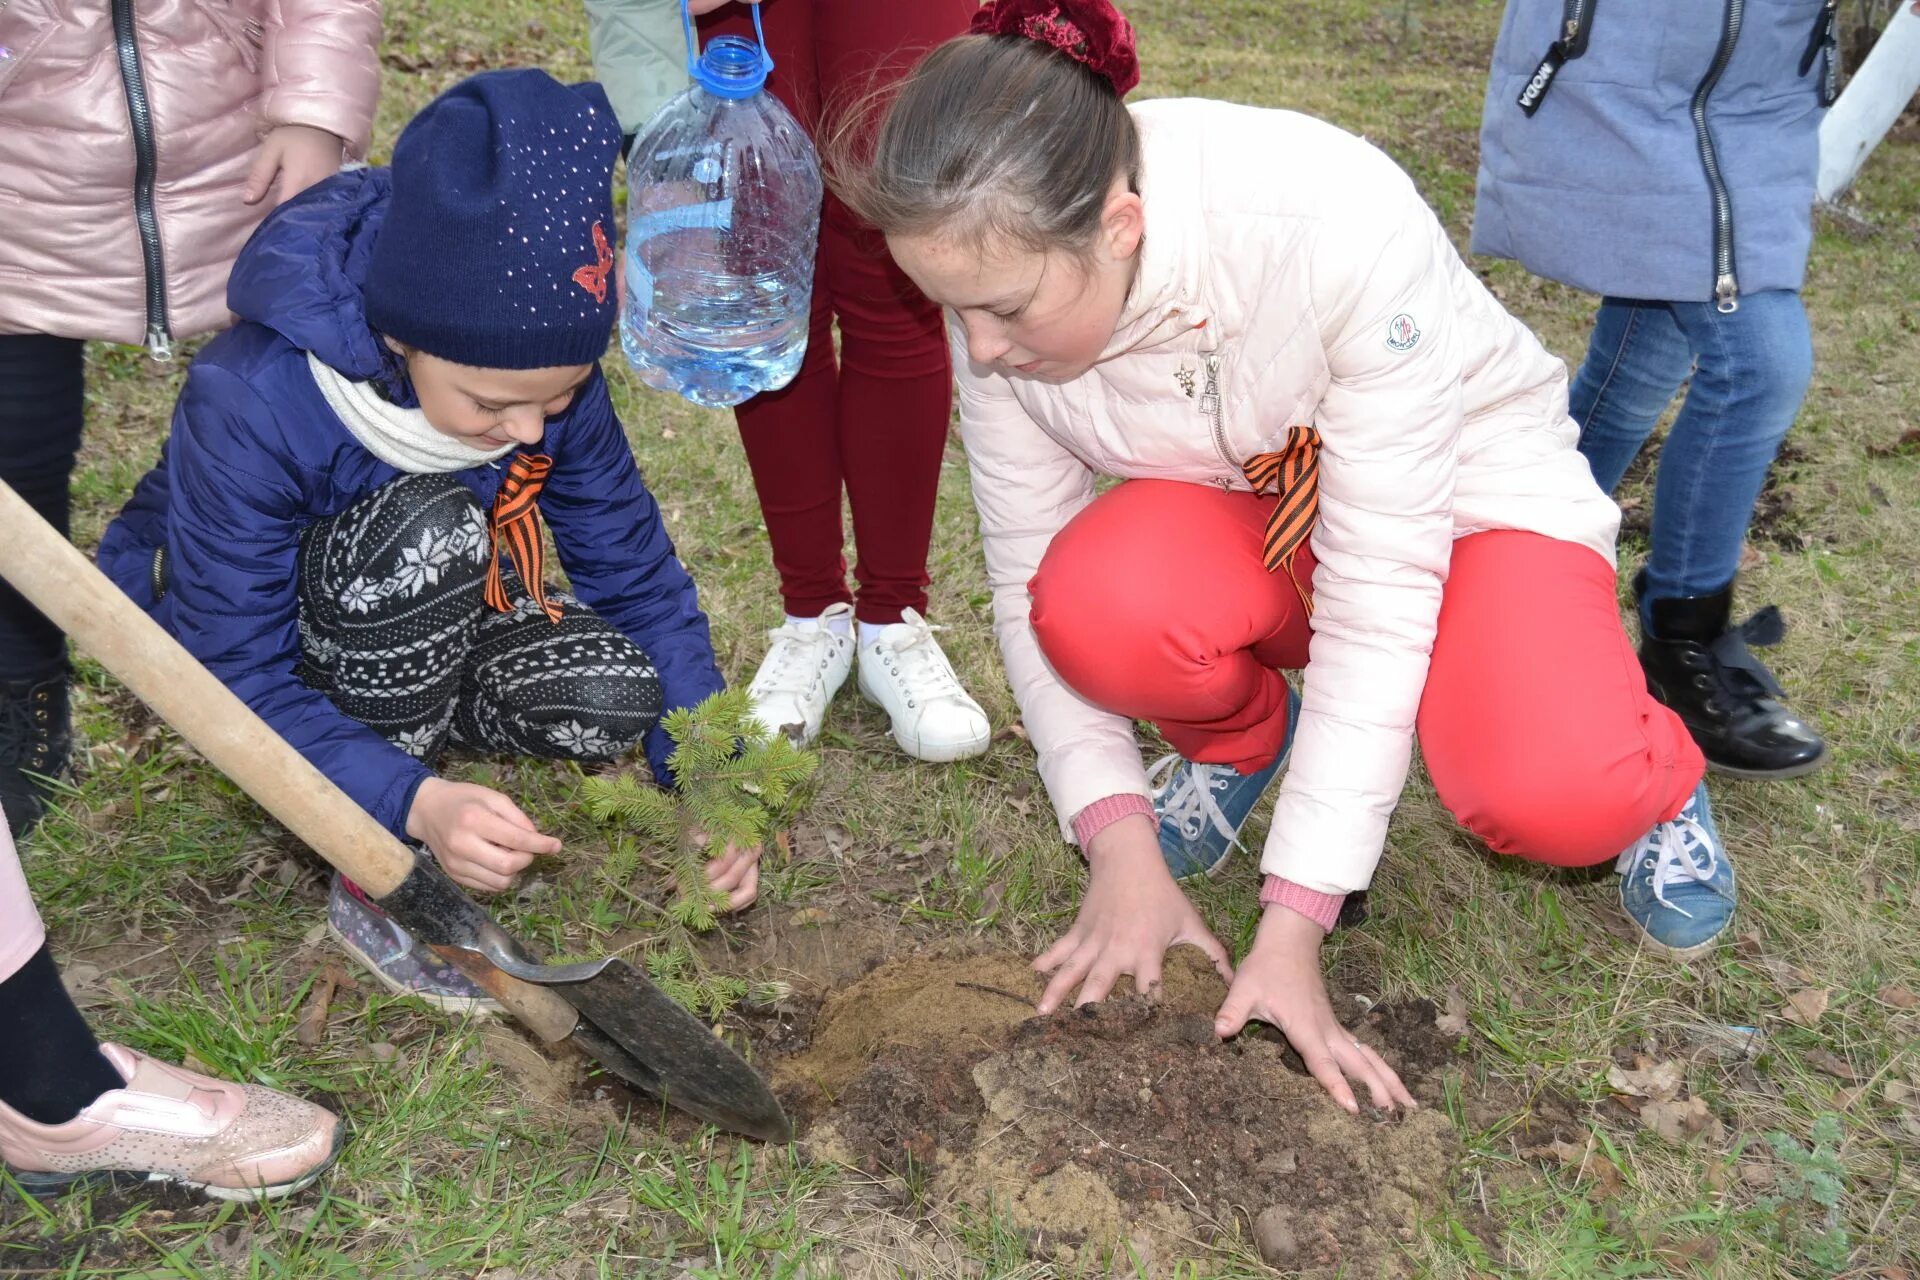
(1121, 1123)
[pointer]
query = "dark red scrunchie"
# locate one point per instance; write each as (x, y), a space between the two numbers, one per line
(1091, 32)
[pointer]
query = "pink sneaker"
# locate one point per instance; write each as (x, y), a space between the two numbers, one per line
(232, 1141)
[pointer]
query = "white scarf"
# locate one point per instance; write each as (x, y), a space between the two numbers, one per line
(401, 438)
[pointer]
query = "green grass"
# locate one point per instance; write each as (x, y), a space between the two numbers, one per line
(199, 917)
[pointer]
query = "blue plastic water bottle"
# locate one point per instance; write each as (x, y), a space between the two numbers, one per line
(723, 221)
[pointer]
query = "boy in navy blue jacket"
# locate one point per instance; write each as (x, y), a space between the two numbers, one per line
(345, 525)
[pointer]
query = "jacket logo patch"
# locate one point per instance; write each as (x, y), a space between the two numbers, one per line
(1402, 333)
(594, 278)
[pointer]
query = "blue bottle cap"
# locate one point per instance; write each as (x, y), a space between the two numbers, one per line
(730, 67)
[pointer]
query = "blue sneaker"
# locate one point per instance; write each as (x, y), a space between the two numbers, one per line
(1203, 806)
(1677, 884)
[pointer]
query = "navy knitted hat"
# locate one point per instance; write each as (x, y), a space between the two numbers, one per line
(497, 246)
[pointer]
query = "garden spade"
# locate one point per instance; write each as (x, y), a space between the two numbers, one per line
(606, 1007)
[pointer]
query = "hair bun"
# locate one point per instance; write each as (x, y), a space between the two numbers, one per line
(1091, 32)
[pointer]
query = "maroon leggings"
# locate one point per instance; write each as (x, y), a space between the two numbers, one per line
(873, 422)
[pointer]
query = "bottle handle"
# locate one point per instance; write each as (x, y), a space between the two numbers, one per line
(693, 38)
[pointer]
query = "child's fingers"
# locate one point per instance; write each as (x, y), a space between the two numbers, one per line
(725, 875)
(501, 821)
(1146, 978)
(1396, 1090)
(1071, 968)
(260, 176)
(1099, 983)
(506, 808)
(475, 873)
(1318, 1055)
(1202, 937)
(1234, 1011)
(1362, 1064)
(747, 893)
(1055, 955)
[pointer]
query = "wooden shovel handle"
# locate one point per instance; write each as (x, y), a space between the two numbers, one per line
(63, 584)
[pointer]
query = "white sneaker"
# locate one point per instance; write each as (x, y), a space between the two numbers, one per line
(805, 666)
(904, 672)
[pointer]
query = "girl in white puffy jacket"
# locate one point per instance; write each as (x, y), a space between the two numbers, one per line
(1343, 458)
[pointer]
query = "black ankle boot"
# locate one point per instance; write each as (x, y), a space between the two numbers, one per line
(1729, 701)
(35, 735)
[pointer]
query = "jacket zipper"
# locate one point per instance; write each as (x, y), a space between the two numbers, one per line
(1726, 285)
(1210, 405)
(1576, 26)
(140, 113)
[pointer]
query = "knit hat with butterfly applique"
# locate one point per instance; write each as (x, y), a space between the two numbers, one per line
(497, 251)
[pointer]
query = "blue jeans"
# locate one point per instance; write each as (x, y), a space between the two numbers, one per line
(1750, 370)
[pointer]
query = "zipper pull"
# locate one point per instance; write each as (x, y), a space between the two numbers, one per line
(159, 343)
(1542, 80)
(1210, 394)
(1726, 292)
(1822, 32)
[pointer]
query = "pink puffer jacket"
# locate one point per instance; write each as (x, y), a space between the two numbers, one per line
(97, 95)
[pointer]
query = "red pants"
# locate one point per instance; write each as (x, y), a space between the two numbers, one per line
(1536, 724)
(874, 421)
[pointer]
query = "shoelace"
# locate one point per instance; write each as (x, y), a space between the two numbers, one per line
(792, 663)
(1738, 672)
(1191, 799)
(1674, 847)
(917, 663)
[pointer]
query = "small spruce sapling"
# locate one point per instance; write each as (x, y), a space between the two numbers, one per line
(735, 784)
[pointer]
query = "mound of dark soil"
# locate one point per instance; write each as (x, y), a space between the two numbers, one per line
(1122, 1124)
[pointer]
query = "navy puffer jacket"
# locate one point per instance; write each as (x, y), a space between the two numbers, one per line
(256, 455)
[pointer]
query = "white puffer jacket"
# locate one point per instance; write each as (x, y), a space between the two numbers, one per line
(1296, 268)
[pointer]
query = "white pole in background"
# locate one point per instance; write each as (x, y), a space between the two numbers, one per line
(1873, 100)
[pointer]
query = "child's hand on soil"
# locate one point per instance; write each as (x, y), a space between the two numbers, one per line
(1132, 914)
(481, 838)
(736, 873)
(298, 155)
(1280, 983)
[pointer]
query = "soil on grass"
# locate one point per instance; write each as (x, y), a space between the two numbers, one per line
(1124, 1125)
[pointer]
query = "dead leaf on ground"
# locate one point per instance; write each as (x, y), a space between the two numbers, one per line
(1698, 1251)
(1833, 1064)
(1586, 1162)
(1681, 1121)
(1908, 440)
(312, 1028)
(1659, 1081)
(1452, 1019)
(1808, 1004)
(1899, 997)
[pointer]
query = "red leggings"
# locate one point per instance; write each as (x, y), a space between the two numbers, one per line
(873, 422)
(1536, 724)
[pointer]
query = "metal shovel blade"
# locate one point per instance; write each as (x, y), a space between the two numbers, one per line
(640, 1034)
(624, 1020)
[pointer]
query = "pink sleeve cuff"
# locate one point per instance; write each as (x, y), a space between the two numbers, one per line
(1321, 908)
(1103, 813)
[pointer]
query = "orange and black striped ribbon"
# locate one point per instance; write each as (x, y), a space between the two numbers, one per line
(1293, 472)
(516, 530)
